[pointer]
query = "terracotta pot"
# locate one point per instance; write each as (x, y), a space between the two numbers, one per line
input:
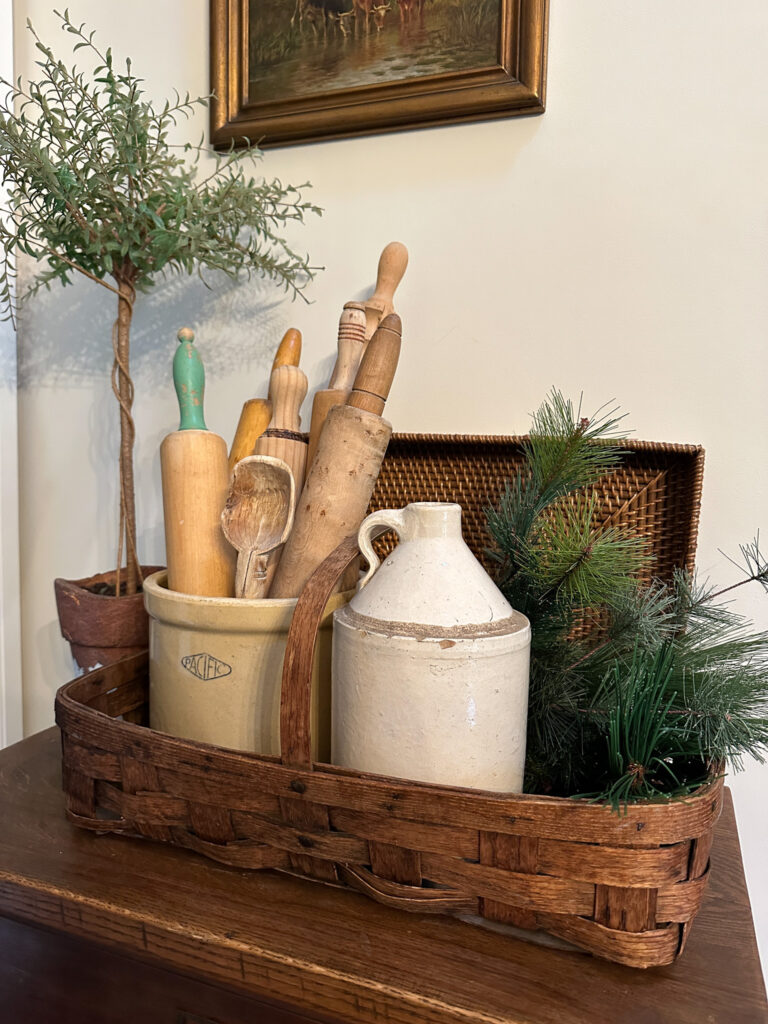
(101, 629)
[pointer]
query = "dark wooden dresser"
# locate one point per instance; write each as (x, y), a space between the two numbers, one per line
(107, 930)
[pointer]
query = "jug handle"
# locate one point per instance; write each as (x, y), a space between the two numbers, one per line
(375, 524)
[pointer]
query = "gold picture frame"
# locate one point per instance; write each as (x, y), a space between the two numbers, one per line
(512, 84)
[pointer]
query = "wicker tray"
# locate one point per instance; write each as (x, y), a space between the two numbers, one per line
(625, 888)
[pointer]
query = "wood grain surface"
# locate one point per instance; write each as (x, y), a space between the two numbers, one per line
(332, 953)
(48, 977)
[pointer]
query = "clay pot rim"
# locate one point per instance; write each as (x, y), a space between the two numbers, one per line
(60, 582)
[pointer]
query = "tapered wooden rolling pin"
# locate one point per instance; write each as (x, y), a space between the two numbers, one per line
(195, 475)
(343, 474)
(257, 412)
(281, 439)
(351, 344)
(392, 264)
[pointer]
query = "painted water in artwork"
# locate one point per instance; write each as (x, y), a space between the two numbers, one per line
(302, 47)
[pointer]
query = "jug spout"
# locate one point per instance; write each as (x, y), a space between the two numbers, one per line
(421, 520)
(424, 520)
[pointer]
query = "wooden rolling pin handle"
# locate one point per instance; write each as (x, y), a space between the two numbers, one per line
(287, 390)
(377, 369)
(289, 350)
(392, 265)
(254, 419)
(189, 381)
(351, 346)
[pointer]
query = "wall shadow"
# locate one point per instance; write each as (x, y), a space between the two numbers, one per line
(66, 333)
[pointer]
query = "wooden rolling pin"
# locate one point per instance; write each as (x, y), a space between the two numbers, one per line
(392, 264)
(281, 439)
(195, 475)
(257, 412)
(351, 343)
(343, 474)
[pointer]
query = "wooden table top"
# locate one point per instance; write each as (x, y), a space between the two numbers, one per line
(333, 952)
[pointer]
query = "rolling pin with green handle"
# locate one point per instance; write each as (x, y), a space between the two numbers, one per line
(195, 477)
(257, 412)
(351, 344)
(343, 474)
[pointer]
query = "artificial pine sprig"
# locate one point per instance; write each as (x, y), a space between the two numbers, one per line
(660, 684)
(645, 739)
(556, 564)
(580, 562)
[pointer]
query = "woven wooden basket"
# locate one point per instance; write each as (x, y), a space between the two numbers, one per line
(624, 887)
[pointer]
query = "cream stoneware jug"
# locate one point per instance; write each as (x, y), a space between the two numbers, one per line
(430, 661)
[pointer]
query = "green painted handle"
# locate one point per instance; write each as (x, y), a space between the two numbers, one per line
(189, 381)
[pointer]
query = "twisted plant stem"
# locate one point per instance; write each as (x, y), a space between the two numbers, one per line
(122, 387)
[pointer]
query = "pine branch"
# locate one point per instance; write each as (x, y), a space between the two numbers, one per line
(635, 691)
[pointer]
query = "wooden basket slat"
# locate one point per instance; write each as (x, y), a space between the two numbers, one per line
(537, 892)
(211, 822)
(624, 887)
(512, 853)
(612, 865)
(150, 808)
(208, 791)
(681, 902)
(407, 897)
(645, 825)
(628, 909)
(396, 863)
(242, 853)
(652, 948)
(97, 763)
(310, 817)
(306, 841)
(456, 842)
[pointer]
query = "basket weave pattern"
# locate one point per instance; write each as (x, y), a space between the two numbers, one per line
(622, 887)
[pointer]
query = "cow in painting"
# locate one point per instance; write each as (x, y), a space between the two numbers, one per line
(324, 12)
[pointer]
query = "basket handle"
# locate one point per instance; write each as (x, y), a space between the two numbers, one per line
(296, 689)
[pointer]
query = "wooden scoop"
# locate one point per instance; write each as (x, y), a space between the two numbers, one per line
(257, 518)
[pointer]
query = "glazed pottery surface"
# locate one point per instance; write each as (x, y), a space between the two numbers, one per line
(430, 661)
(216, 666)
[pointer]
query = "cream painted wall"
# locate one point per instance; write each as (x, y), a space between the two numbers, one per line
(615, 246)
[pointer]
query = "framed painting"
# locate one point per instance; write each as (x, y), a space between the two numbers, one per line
(290, 71)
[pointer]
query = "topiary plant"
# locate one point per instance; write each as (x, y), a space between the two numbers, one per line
(95, 188)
